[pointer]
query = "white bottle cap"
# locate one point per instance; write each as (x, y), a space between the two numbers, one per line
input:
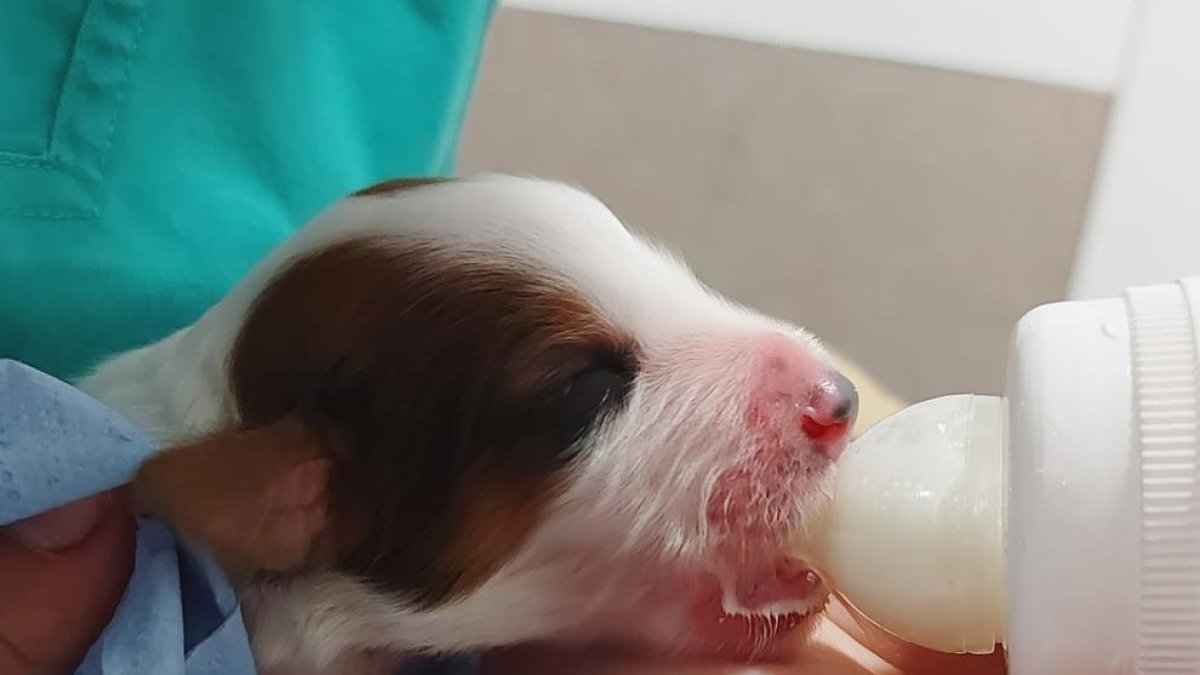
(1103, 503)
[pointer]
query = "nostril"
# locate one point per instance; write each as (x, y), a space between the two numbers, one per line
(832, 410)
(833, 398)
(846, 407)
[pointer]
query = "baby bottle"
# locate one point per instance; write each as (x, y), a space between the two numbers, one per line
(1060, 521)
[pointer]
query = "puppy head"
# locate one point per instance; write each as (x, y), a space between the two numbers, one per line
(521, 421)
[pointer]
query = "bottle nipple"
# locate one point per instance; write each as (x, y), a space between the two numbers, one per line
(913, 535)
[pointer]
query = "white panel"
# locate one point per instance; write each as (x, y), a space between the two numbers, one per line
(1144, 224)
(1075, 43)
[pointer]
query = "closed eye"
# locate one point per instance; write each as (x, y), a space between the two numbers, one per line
(574, 409)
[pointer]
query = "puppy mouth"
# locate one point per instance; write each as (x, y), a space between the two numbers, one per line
(785, 588)
(757, 589)
(743, 614)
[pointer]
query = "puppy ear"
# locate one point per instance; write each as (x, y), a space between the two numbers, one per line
(392, 185)
(257, 499)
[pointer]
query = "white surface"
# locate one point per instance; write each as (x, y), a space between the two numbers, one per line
(1073, 507)
(920, 496)
(1144, 220)
(1076, 43)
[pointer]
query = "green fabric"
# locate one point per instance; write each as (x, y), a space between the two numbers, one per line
(151, 150)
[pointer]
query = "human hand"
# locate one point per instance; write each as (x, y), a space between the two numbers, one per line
(62, 574)
(843, 643)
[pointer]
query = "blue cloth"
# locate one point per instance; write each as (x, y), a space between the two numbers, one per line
(179, 614)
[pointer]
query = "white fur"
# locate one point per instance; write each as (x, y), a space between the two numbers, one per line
(639, 493)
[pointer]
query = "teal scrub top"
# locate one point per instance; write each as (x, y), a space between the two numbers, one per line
(151, 150)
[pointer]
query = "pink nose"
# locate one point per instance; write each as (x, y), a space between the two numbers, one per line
(798, 395)
(797, 419)
(830, 413)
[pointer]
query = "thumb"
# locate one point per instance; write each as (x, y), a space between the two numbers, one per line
(62, 574)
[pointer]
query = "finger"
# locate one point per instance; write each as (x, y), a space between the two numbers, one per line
(832, 651)
(61, 576)
(910, 658)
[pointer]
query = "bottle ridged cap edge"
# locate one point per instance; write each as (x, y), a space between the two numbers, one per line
(1167, 439)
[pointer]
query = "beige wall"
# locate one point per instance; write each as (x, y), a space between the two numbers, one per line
(907, 215)
(1074, 43)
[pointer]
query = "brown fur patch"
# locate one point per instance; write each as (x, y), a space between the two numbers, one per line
(492, 520)
(254, 498)
(432, 368)
(392, 185)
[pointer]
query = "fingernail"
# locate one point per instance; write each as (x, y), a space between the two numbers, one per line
(63, 527)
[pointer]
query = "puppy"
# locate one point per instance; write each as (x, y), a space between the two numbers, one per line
(453, 415)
